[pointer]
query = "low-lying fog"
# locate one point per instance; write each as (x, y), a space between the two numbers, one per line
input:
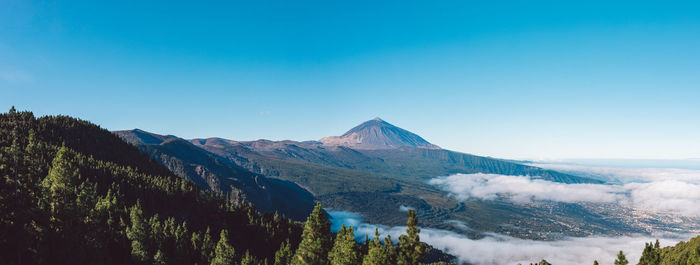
(663, 190)
(496, 249)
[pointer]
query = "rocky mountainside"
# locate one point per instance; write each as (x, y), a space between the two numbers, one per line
(212, 173)
(377, 134)
(384, 168)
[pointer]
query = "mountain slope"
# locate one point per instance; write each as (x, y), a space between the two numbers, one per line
(74, 193)
(376, 181)
(377, 134)
(682, 253)
(212, 173)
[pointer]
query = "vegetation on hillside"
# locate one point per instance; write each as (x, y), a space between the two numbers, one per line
(73, 193)
(683, 253)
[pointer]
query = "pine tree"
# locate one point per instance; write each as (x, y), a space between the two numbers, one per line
(621, 259)
(389, 250)
(345, 250)
(249, 259)
(60, 188)
(595, 262)
(411, 252)
(138, 233)
(651, 254)
(207, 247)
(224, 253)
(377, 254)
(315, 240)
(68, 202)
(284, 254)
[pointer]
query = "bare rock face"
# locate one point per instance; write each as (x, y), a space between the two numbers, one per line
(377, 134)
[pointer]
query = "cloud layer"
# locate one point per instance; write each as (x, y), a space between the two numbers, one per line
(678, 196)
(625, 174)
(496, 249)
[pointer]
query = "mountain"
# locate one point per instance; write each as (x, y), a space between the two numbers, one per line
(377, 134)
(212, 173)
(383, 169)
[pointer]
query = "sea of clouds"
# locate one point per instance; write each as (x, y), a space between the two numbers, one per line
(662, 190)
(496, 249)
(666, 190)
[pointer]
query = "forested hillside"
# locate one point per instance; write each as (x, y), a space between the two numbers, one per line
(683, 253)
(73, 193)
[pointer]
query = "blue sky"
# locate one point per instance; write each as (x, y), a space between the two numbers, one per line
(514, 79)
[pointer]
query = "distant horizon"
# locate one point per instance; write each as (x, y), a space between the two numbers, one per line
(535, 80)
(591, 161)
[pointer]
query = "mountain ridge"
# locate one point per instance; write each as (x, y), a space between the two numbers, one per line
(213, 173)
(376, 181)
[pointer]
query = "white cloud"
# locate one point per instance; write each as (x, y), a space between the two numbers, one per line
(459, 225)
(496, 249)
(673, 196)
(405, 208)
(626, 174)
(522, 189)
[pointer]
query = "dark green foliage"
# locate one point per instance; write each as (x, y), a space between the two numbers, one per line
(651, 254)
(251, 260)
(284, 255)
(315, 240)
(379, 254)
(224, 253)
(138, 233)
(71, 192)
(683, 253)
(544, 262)
(345, 249)
(621, 259)
(411, 252)
(595, 262)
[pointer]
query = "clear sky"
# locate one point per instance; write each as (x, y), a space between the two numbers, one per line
(521, 79)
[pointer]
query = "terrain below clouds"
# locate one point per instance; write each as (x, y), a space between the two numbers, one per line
(379, 168)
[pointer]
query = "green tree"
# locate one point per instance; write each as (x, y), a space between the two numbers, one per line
(138, 233)
(345, 250)
(60, 188)
(651, 254)
(207, 247)
(224, 253)
(595, 262)
(389, 250)
(315, 240)
(411, 252)
(284, 254)
(68, 201)
(621, 259)
(377, 254)
(249, 259)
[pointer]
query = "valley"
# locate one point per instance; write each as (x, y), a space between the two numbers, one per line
(376, 168)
